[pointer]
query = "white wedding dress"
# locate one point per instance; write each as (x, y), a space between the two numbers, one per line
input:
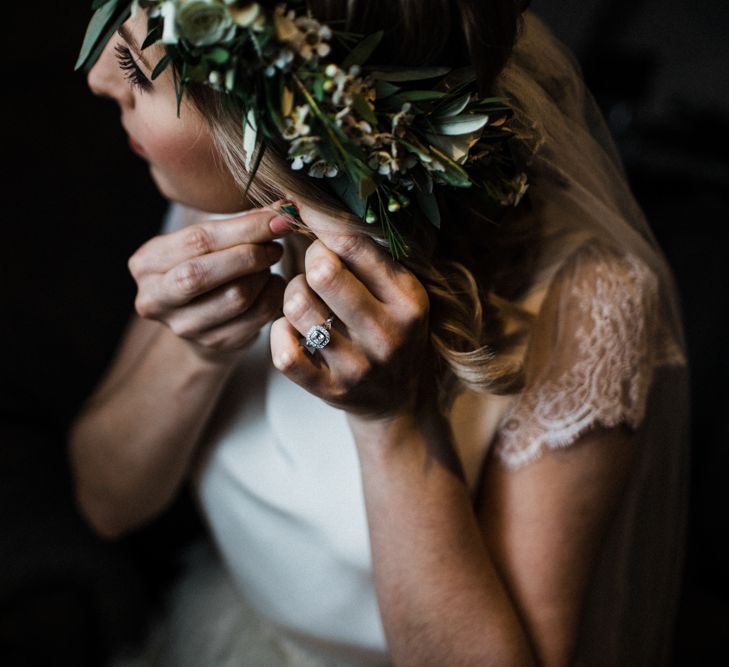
(286, 576)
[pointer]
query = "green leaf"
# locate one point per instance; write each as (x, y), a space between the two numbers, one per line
(412, 74)
(97, 26)
(454, 108)
(96, 4)
(161, 66)
(318, 89)
(454, 174)
(428, 204)
(180, 85)
(385, 89)
(420, 95)
(458, 79)
(466, 124)
(363, 109)
(361, 53)
(218, 55)
(366, 187)
(155, 34)
(457, 147)
(262, 146)
(346, 191)
(423, 180)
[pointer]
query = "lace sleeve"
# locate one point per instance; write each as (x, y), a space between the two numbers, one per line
(593, 350)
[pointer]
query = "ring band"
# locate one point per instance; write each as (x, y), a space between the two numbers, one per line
(319, 336)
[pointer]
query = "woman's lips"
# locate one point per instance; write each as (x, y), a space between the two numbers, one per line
(136, 147)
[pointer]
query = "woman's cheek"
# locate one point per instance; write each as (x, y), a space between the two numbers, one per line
(183, 164)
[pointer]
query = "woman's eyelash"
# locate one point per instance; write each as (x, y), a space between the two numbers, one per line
(130, 68)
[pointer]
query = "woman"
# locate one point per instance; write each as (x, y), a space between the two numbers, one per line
(484, 460)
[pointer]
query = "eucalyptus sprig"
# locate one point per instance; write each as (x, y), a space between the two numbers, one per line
(383, 138)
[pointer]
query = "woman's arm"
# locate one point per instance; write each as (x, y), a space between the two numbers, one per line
(204, 294)
(505, 588)
(131, 445)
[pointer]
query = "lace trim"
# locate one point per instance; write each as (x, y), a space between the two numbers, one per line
(618, 350)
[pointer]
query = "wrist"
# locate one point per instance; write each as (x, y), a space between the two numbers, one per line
(205, 359)
(398, 428)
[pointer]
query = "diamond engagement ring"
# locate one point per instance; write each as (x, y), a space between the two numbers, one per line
(319, 336)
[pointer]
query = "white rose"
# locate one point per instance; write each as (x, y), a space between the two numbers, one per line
(203, 22)
(168, 11)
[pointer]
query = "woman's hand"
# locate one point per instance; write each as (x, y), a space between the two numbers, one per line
(211, 283)
(379, 336)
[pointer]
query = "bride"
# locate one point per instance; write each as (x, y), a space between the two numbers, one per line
(477, 455)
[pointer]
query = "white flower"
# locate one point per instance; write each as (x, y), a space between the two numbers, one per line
(383, 162)
(360, 132)
(314, 38)
(204, 22)
(304, 150)
(322, 168)
(215, 79)
(284, 59)
(349, 85)
(278, 58)
(401, 120)
(284, 23)
(168, 12)
(295, 125)
(229, 79)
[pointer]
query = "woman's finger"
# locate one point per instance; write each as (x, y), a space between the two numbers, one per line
(200, 275)
(346, 296)
(219, 306)
(347, 364)
(302, 307)
(292, 359)
(373, 266)
(238, 332)
(162, 253)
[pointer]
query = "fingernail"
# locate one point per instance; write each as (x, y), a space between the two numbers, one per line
(280, 225)
(274, 251)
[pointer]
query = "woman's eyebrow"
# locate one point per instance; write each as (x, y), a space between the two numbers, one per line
(129, 39)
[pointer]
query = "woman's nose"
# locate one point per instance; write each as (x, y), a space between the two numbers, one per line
(105, 79)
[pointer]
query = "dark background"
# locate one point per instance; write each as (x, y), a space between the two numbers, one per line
(77, 203)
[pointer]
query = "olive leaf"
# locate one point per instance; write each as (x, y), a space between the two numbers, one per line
(345, 190)
(428, 204)
(420, 95)
(385, 89)
(454, 108)
(161, 66)
(361, 53)
(456, 148)
(96, 4)
(97, 26)
(465, 124)
(412, 74)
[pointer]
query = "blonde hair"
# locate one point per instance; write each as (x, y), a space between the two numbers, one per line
(474, 269)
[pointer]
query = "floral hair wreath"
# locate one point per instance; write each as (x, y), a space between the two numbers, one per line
(382, 140)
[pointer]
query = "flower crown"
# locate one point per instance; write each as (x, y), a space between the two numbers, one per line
(383, 138)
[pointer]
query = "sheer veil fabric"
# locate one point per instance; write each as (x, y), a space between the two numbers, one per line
(607, 348)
